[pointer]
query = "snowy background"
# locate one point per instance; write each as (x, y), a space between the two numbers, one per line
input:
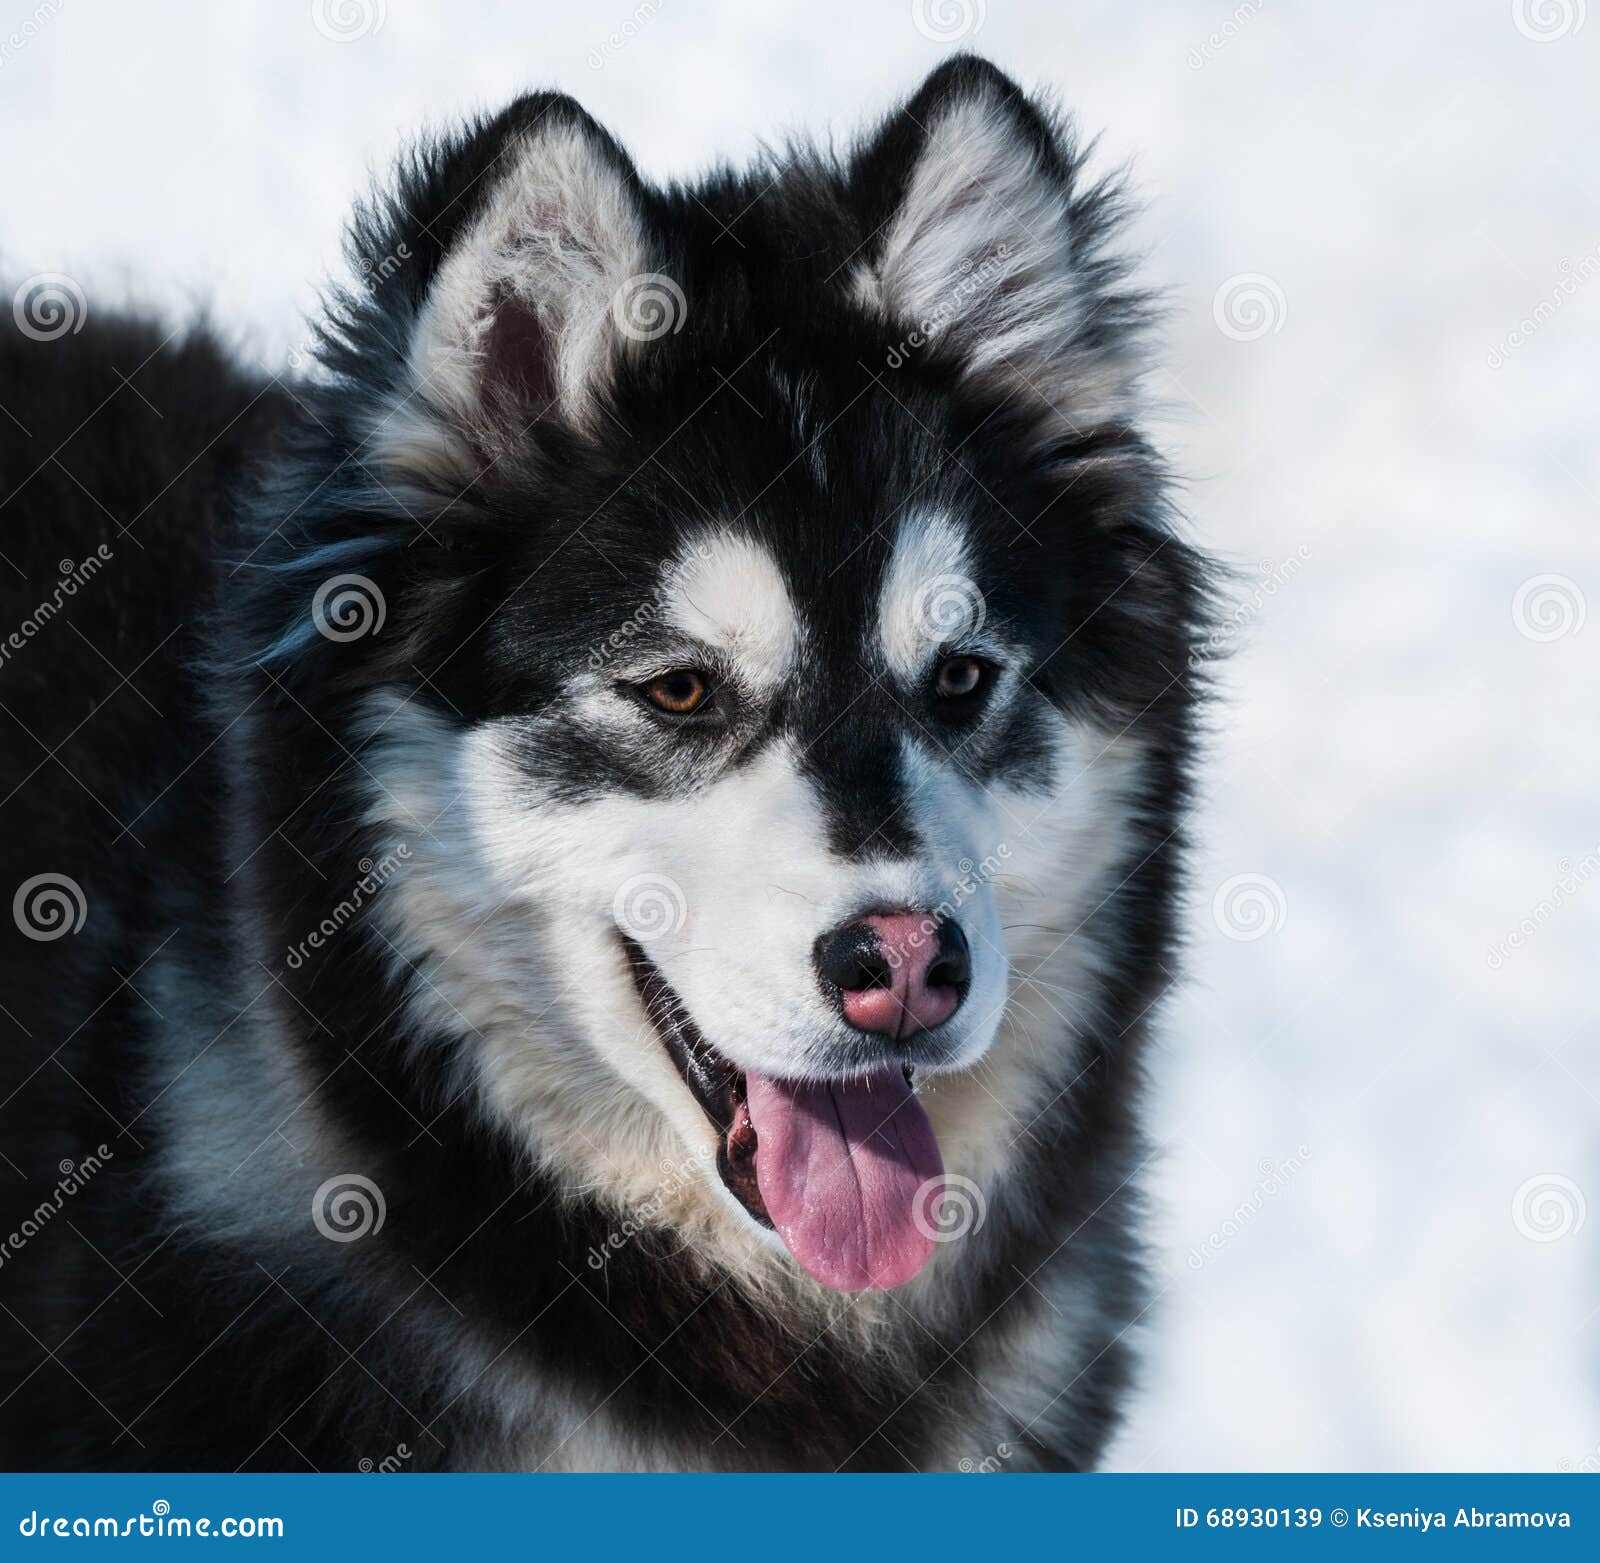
(1378, 1102)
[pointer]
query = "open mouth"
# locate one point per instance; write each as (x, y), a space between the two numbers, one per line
(847, 1171)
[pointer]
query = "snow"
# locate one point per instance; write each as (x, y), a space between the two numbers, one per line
(1412, 772)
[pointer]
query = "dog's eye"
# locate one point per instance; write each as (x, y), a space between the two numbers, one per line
(959, 678)
(680, 692)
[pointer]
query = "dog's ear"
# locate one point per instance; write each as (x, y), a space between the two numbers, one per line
(546, 276)
(984, 252)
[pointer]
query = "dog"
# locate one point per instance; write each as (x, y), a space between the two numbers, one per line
(589, 877)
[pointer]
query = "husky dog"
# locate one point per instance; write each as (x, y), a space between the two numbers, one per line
(588, 880)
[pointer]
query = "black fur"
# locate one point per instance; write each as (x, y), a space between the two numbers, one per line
(204, 805)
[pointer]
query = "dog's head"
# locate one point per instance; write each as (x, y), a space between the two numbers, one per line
(780, 619)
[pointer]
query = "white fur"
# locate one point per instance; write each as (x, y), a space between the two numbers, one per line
(931, 566)
(561, 236)
(503, 931)
(981, 249)
(1062, 852)
(727, 591)
(503, 926)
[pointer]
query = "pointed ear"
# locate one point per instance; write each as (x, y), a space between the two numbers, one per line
(538, 294)
(987, 255)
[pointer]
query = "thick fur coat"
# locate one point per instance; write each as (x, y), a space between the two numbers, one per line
(334, 770)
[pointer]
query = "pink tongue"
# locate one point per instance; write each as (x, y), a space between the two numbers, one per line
(851, 1175)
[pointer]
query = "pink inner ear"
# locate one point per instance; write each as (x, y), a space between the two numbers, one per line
(518, 375)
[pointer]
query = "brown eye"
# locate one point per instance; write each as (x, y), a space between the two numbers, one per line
(680, 692)
(958, 678)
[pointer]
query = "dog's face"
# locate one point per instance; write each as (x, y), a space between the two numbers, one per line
(791, 682)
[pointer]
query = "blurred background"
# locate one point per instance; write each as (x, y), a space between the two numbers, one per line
(1377, 1100)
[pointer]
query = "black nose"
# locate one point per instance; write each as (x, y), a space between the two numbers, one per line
(897, 972)
(851, 958)
(952, 961)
